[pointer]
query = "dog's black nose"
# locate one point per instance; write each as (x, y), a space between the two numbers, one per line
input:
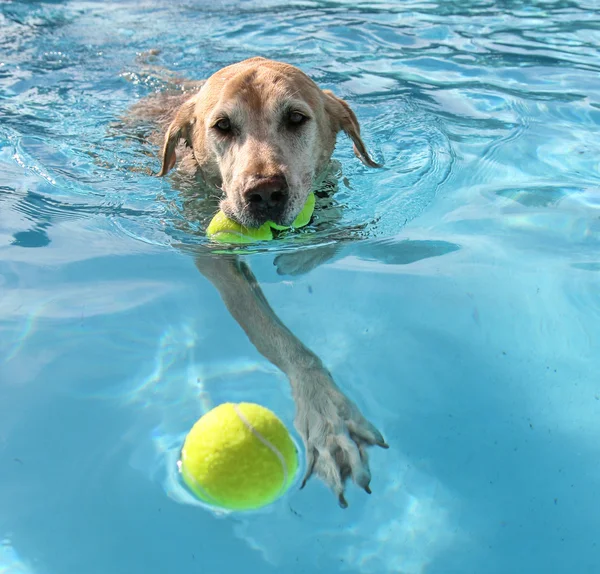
(265, 197)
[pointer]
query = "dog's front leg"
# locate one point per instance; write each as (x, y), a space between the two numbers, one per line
(335, 433)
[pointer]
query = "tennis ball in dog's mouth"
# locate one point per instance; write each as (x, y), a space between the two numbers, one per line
(225, 230)
(239, 457)
(303, 218)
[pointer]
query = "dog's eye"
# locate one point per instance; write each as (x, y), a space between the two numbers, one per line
(223, 125)
(296, 118)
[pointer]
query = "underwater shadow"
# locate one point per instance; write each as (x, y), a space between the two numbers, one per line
(387, 251)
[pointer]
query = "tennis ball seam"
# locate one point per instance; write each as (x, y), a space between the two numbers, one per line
(267, 443)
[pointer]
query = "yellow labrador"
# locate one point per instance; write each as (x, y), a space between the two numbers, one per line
(262, 133)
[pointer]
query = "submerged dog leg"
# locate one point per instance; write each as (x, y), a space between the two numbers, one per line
(334, 431)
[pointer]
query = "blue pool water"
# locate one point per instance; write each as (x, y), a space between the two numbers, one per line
(465, 323)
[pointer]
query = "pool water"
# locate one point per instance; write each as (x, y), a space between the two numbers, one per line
(463, 319)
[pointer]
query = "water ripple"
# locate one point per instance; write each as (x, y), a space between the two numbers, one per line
(430, 83)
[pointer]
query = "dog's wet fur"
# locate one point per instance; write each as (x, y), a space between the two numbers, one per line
(261, 133)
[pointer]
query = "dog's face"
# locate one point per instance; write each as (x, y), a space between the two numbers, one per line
(262, 132)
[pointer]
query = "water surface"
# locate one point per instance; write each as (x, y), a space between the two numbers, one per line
(464, 322)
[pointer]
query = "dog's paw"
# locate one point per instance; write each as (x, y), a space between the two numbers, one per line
(335, 434)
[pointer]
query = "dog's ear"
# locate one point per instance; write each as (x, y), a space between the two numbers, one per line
(180, 128)
(343, 118)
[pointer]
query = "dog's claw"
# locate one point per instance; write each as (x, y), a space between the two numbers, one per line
(310, 467)
(335, 433)
(367, 432)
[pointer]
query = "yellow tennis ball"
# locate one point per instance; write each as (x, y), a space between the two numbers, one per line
(225, 230)
(239, 457)
(303, 218)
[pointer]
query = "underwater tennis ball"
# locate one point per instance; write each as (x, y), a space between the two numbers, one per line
(225, 230)
(238, 457)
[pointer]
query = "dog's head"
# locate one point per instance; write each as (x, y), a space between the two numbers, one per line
(262, 132)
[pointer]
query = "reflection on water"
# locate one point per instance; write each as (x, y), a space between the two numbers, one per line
(416, 518)
(10, 562)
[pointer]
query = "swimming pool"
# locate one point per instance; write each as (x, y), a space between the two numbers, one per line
(465, 324)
